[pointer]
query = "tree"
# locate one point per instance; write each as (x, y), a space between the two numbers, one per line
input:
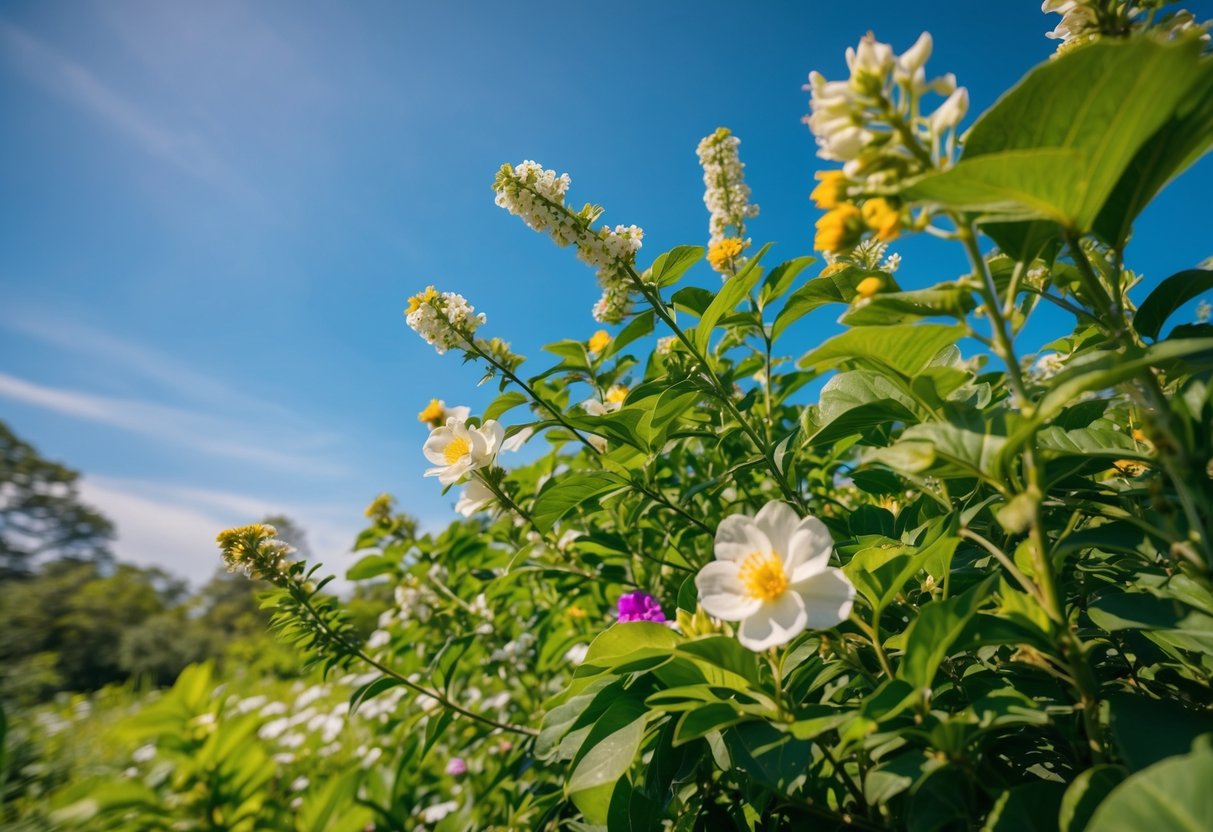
(41, 513)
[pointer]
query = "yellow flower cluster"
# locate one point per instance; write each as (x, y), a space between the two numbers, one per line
(722, 253)
(599, 341)
(418, 299)
(843, 224)
(254, 550)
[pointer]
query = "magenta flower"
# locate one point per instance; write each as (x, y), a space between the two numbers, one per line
(456, 766)
(640, 606)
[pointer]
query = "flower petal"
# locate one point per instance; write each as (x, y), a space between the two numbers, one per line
(436, 444)
(775, 623)
(721, 593)
(810, 549)
(737, 536)
(778, 521)
(827, 598)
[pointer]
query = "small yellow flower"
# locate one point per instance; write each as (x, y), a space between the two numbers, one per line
(421, 297)
(599, 341)
(833, 268)
(831, 188)
(722, 252)
(434, 413)
(883, 218)
(838, 229)
(575, 612)
(868, 287)
(1129, 467)
(616, 394)
(1139, 435)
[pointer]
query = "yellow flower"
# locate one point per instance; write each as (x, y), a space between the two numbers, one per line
(868, 287)
(421, 297)
(616, 394)
(1129, 467)
(883, 218)
(830, 190)
(838, 229)
(833, 268)
(722, 252)
(599, 341)
(575, 612)
(434, 413)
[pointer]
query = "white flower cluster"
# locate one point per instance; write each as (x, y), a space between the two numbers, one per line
(725, 194)
(444, 319)
(536, 195)
(1081, 21)
(873, 121)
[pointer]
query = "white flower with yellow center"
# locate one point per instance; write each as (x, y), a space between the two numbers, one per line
(772, 574)
(456, 449)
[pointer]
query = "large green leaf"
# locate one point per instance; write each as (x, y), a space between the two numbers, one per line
(564, 493)
(1057, 144)
(1183, 139)
(838, 287)
(905, 349)
(932, 633)
(1168, 296)
(945, 300)
(672, 265)
(1173, 795)
(1084, 795)
(610, 746)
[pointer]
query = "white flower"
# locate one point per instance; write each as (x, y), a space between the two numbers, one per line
(456, 450)
(575, 655)
(444, 319)
(438, 811)
(515, 442)
(475, 497)
(726, 194)
(144, 753)
(772, 574)
(951, 111)
(1203, 311)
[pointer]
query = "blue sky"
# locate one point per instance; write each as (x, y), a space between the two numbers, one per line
(214, 212)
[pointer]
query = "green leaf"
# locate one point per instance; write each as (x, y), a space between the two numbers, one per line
(672, 265)
(705, 719)
(781, 278)
(731, 293)
(505, 402)
(1173, 623)
(946, 300)
(1146, 731)
(329, 806)
(610, 747)
(838, 287)
(725, 653)
(1057, 144)
(931, 635)
(564, 493)
(905, 349)
(638, 327)
(1168, 296)
(1173, 795)
(1031, 807)
(369, 567)
(1183, 139)
(1085, 794)
(372, 689)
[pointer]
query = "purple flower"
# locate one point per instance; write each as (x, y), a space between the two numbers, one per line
(456, 766)
(640, 606)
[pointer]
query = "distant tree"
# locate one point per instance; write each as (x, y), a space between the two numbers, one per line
(41, 513)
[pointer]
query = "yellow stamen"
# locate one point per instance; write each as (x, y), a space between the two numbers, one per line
(456, 450)
(763, 576)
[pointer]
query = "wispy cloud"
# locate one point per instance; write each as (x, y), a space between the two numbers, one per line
(193, 430)
(48, 68)
(174, 528)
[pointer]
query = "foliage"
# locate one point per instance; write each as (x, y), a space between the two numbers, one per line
(978, 579)
(41, 512)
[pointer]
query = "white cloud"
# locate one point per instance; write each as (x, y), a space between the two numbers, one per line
(174, 527)
(192, 430)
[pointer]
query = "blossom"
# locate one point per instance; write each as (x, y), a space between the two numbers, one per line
(666, 344)
(831, 189)
(436, 413)
(475, 497)
(838, 229)
(254, 550)
(456, 449)
(599, 341)
(519, 439)
(772, 574)
(868, 287)
(536, 196)
(575, 655)
(611, 401)
(722, 254)
(444, 319)
(882, 217)
(437, 811)
(726, 194)
(456, 766)
(639, 606)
